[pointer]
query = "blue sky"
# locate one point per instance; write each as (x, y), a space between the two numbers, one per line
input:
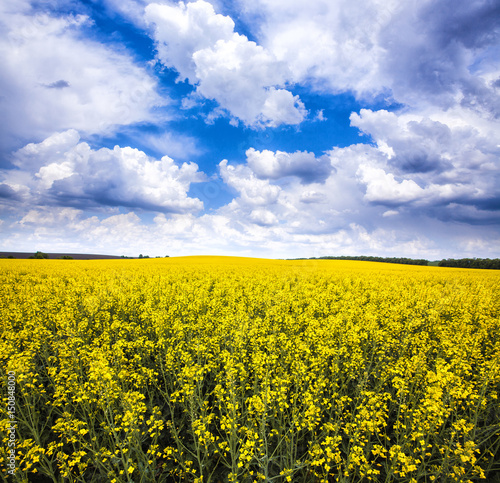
(268, 128)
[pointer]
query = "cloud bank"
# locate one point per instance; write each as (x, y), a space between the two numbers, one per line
(68, 172)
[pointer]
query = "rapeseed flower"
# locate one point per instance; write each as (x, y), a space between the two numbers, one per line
(211, 369)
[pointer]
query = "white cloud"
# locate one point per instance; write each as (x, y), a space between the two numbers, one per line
(331, 45)
(320, 115)
(243, 77)
(184, 29)
(445, 55)
(253, 191)
(132, 10)
(348, 211)
(419, 144)
(381, 187)
(313, 197)
(51, 217)
(282, 107)
(263, 217)
(53, 78)
(302, 164)
(68, 172)
(271, 193)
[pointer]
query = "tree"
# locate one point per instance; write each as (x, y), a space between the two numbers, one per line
(39, 255)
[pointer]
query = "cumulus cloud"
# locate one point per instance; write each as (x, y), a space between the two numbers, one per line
(412, 143)
(182, 30)
(446, 170)
(59, 229)
(440, 53)
(383, 188)
(331, 45)
(253, 191)
(53, 78)
(445, 143)
(50, 217)
(294, 193)
(275, 165)
(263, 217)
(70, 173)
(312, 197)
(242, 77)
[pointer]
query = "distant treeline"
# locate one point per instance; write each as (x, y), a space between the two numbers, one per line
(487, 263)
(405, 261)
(491, 263)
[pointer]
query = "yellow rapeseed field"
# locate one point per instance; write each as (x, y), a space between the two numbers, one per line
(215, 369)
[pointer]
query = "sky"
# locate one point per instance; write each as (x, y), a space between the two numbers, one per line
(270, 128)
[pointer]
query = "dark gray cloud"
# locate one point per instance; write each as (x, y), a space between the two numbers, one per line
(430, 168)
(432, 49)
(477, 95)
(60, 84)
(87, 193)
(7, 192)
(465, 214)
(420, 150)
(416, 160)
(490, 204)
(474, 24)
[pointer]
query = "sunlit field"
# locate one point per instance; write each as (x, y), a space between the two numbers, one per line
(214, 369)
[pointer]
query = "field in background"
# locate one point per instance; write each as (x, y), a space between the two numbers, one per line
(232, 369)
(75, 256)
